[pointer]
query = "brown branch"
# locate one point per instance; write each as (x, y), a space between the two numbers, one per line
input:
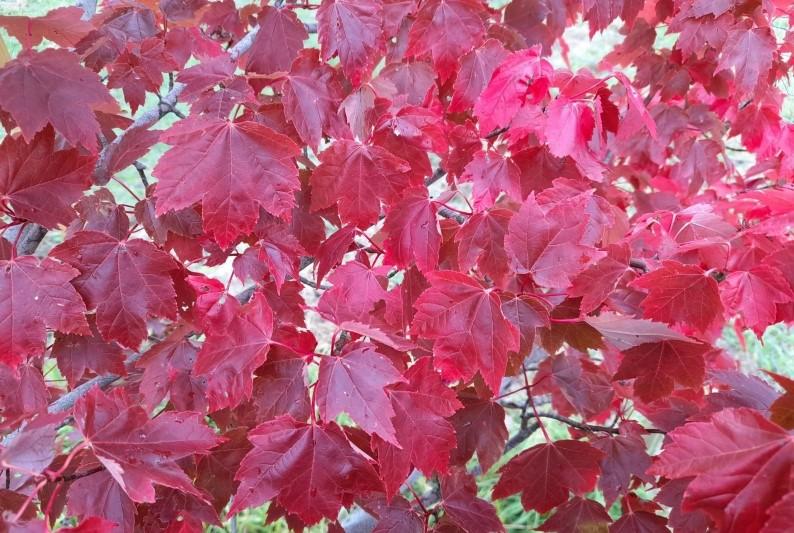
(591, 427)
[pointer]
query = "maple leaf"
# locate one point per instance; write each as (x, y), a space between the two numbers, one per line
(78, 353)
(354, 383)
(34, 449)
(168, 370)
(492, 173)
(413, 231)
(623, 333)
(577, 515)
(624, 456)
(481, 242)
(136, 451)
(681, 294)
(233, 169)
(36, 295)
(546, 473)
(278, 42)
(522, 78)
(753, 294)
(421, 406)
(52, 87)
(277, 253)
(126, 281)
(311, 96)
(64, 26)
(351, 29)
(453, 312)
(658, 366)
(479, 427)
(596, 283)
(100, 495)
(548, 245)
(463, 507)
(433, 32)
(332, 250)
(749, 52)
(311, 470)
(230, 355)
(584, 385)
(741, 464)
(475, 72)
(364, 173)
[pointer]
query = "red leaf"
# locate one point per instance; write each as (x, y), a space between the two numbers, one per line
(78, 353)
(492, 174)
(623, 333)
(463, 507)
(681, 294)
(421, 407)
(40, 182)
(546, 473)
(467, 324)
(36, 295)
(168, 371)
(625, 456)
(550, 245)
(354, 383)
(413, 232)
(126, 282)
(233, 169)
(752, 294)
(278, 42)
(476, 69)
(229, 356)
(52, 87)
(480, 427)
(352, 30)
(311, 96)
(522, 78)
(310, 470)
(136, 451)
(577, 515)
(741, 463)
(100, 495)
(353, 176)
(446, 29)
(659, 365)
(749, 52)
(333, 249)
(64, 26)
(481, 242)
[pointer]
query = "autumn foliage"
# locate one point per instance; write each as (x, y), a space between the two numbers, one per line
(389, 248)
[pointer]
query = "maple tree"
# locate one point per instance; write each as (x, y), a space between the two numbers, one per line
(387, 249)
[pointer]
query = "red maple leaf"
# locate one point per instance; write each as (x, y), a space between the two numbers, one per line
(52, 87)
(546, 473)
(681, 294)
(354, 383)
(139, 452)
(352, 30)
(741, 464)
(36, 295)
(232, 169)
(451, 312)
(309, 469)
(126, 281)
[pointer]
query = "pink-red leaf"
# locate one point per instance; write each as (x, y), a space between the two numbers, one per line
(233, 169)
